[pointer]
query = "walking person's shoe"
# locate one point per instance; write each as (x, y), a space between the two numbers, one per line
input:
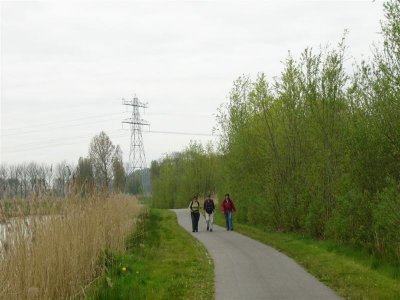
(207, 228)
(210, 229)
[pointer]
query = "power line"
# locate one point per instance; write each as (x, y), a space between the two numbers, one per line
(35, 127)
(53, 142)
(57, 142)
(56, 122)
(55, 127)
(180, 133)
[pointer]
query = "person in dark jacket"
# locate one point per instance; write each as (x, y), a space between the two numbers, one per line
(227, 207)
(209, 208)
(194, 207)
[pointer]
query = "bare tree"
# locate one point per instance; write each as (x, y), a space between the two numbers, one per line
(42, 184)
(24, 179)
(13, 181)
(101, 153)
(3, 180)
(32, 171)
(61, 178)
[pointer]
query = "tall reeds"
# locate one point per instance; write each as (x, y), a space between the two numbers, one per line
(54, 256)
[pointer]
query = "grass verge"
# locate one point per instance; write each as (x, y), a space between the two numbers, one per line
(352, 274)
(166, 262)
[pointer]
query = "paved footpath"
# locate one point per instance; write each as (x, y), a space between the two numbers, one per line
(246, 269)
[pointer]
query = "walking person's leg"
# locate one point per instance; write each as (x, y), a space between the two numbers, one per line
(193, 221)
(227, 220)
(197, 221)
(230, 221)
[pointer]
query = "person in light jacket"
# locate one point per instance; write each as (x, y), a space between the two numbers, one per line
(194, 208)
(227, 207)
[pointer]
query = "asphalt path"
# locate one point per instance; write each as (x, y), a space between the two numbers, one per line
(246, 269)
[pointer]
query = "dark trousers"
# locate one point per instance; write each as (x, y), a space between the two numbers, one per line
(195, 220)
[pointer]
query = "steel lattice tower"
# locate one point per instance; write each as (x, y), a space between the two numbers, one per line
(137, 158)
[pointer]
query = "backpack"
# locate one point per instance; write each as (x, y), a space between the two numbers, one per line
(209, 206)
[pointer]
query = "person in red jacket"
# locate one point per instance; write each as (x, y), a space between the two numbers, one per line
(227, 207)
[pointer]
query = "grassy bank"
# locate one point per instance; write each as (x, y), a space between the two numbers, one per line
(165, 262)
(351, 273)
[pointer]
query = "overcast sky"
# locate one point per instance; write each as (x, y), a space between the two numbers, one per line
(66, 66)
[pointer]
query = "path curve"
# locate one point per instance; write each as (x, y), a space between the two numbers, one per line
(246, 269)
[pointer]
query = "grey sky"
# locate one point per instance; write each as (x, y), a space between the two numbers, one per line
(66, 65)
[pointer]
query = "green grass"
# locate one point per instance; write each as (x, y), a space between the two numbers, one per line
(166, 262)
(352, 273)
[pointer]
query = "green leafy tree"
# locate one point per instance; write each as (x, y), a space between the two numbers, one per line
(84, 176)
(118, 171)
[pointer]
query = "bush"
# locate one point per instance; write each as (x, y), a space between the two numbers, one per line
(351, 220)
(387, 221)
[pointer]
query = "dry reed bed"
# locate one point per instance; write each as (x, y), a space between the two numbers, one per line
(58, 257)
(46, 205)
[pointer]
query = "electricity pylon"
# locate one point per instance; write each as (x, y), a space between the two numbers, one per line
(137, 157)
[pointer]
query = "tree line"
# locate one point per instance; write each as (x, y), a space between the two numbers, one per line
(179, 176)
(316, 150)
(102, 170)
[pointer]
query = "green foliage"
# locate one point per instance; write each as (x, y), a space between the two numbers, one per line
(315, 151)
(179, 176)
(134, 183)
(349, 223)
(118, 171)
(387, 221)
(84, 176)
